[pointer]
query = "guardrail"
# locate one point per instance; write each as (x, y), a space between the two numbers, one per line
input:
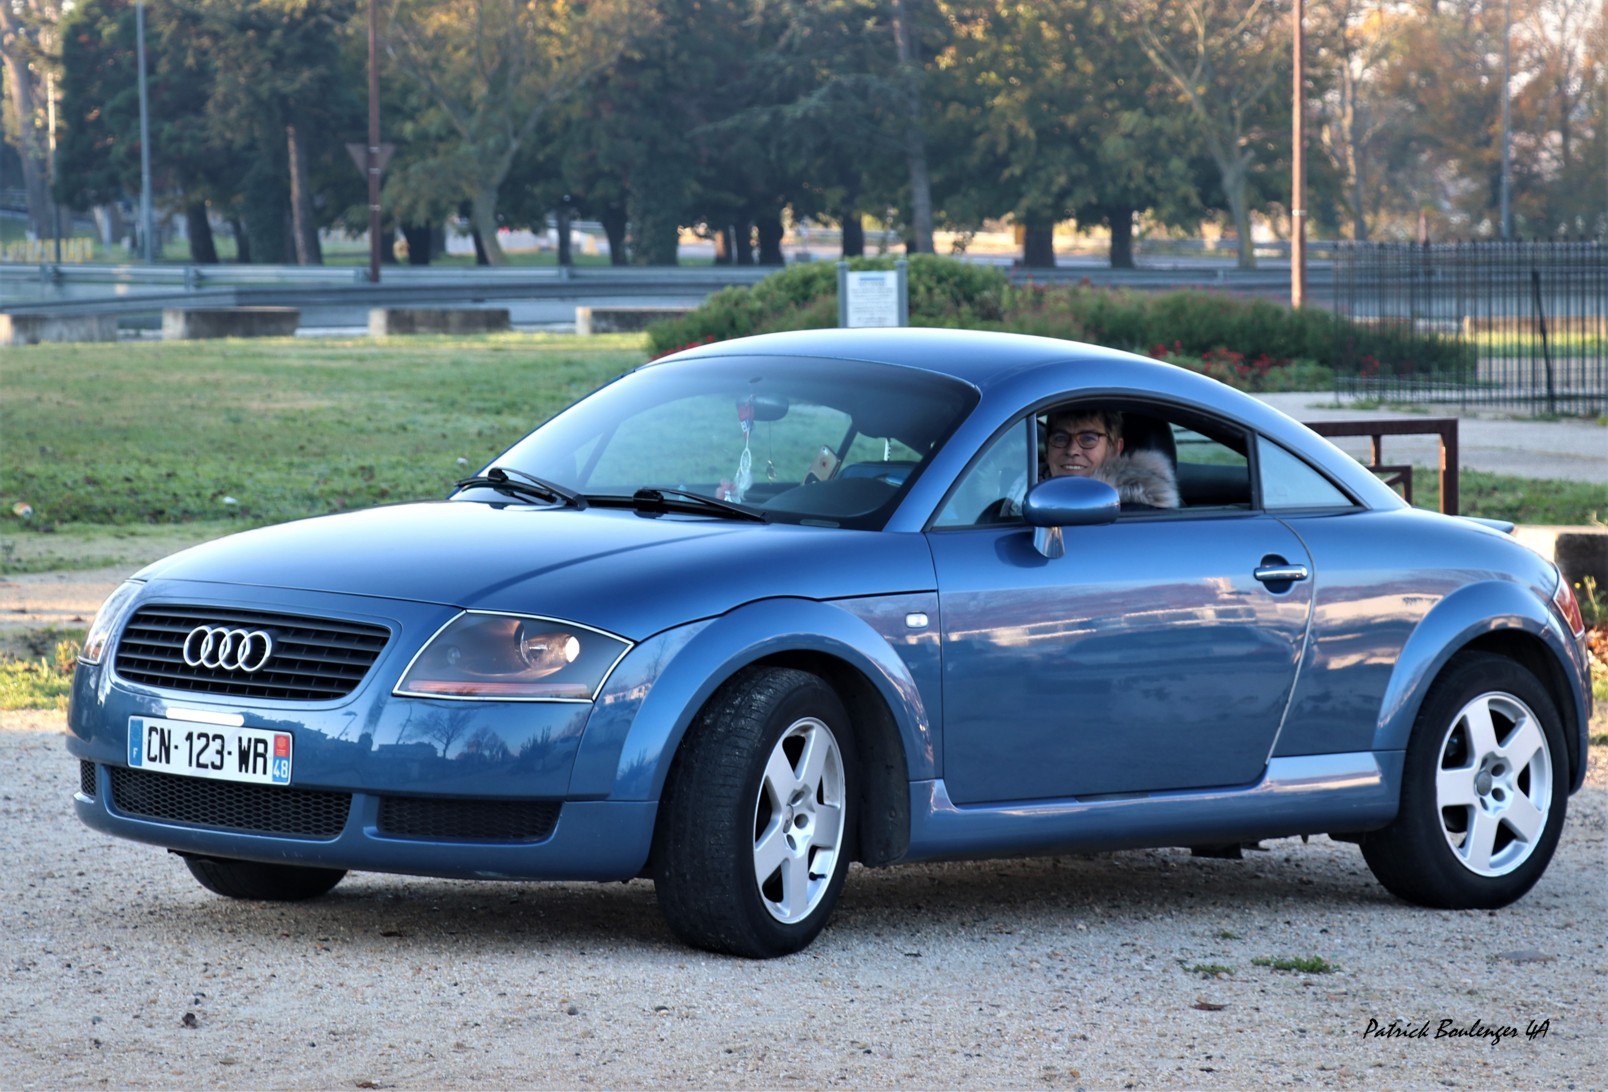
(140, 289)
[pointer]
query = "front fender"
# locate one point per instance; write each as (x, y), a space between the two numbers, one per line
(653, 696)
(1464, 617)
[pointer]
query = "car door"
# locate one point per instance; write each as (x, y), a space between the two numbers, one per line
(1150, 656)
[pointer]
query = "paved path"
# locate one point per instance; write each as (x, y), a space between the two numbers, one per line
(1566, 450)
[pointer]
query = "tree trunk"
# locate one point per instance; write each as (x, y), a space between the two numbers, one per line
(484, 216)
(264, 210)
(614, 222)
(304, 228)
(853, 234)
(421, 242)
(1120, 220)
(1038, 246)
(915, 142)
(388, 240)
(768, 226)
(721, 238)
(655, 230)
(742, 242)
(562, 221)
(242, 239)
(1234, 171)
(203, 250)
(32, 141)
(110, 225)
(1239, 206)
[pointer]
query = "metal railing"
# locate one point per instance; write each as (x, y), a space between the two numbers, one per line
(1522, 326)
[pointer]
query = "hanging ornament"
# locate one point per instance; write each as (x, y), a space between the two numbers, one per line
(743, 480)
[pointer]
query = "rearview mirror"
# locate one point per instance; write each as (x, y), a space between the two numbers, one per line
(769, 407)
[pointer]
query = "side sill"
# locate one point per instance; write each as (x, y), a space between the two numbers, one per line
(1306, 794)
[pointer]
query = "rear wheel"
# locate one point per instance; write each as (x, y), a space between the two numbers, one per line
(1483, 791)
(264, 882)
(755, 828)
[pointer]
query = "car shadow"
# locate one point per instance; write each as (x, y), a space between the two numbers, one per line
(942, 900)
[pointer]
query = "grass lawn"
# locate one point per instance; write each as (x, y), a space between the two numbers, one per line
(125, 452)
(104, 441)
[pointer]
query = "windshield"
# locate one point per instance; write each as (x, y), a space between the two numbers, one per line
(800, 440)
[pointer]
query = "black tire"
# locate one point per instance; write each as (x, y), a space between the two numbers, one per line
(262, 882)
(766, 775)
(1481, 807)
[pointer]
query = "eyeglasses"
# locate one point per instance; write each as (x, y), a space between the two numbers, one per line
(1088, 441)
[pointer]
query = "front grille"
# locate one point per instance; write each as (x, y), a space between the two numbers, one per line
(86, 778)
(227, 805)
(467, 820)
(313, 659)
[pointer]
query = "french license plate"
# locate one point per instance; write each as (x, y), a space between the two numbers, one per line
(221, 752)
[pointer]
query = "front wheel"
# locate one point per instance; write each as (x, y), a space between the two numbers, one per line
(1483, 791)
(262, 882)
(755, 828)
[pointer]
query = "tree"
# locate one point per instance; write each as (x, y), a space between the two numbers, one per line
(27, 48)
(1224, 59)
(494, 67)
(279, 92)
(1352, 41)
(1053, 104)
(915, 143)
(98, 155)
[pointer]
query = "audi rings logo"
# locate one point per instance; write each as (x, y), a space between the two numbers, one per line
(228, 649)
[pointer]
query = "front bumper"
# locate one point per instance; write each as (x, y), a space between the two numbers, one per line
(574, 840)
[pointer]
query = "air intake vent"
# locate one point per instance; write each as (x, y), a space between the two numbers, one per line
(437, 820)
(227, 805)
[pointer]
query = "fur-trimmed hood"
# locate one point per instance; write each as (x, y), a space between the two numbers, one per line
(1140, 477)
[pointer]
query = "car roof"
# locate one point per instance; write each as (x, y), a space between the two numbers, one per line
(976, 357)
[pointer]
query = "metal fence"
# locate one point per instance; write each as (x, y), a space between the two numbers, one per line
(1519, 326)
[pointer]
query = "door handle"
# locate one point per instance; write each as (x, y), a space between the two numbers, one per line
(1281, 573)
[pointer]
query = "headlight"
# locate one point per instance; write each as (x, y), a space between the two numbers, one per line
(106, 622)
(511, 657)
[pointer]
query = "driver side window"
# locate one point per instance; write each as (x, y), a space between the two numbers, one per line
(992, 489)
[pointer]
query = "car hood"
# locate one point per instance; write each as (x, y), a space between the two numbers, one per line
(618, 570)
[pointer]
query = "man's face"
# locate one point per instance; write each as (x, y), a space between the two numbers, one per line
(1078, 445)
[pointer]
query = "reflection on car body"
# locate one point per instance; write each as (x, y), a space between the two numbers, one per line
(765, 607)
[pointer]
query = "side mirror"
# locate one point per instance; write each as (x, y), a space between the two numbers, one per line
(1067, 502)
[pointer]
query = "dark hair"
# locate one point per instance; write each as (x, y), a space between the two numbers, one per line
(1110, 420)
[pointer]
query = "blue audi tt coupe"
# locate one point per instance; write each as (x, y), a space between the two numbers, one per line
(763, 608)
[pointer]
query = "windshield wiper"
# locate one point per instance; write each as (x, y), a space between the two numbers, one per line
(519, 483)
(662, 499)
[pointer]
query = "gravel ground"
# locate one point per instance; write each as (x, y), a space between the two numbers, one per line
(120, 971)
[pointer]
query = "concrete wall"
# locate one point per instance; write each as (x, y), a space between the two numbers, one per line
(189, 324)
(386, 321)
(1578, 551)
(622, 320)
(32, 329)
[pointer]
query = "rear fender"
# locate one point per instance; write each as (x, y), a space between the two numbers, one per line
(1490, 613)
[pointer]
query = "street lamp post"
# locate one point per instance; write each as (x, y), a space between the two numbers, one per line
(373, 158)
(1507, 110)
(1298, 169)
(147, 222)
